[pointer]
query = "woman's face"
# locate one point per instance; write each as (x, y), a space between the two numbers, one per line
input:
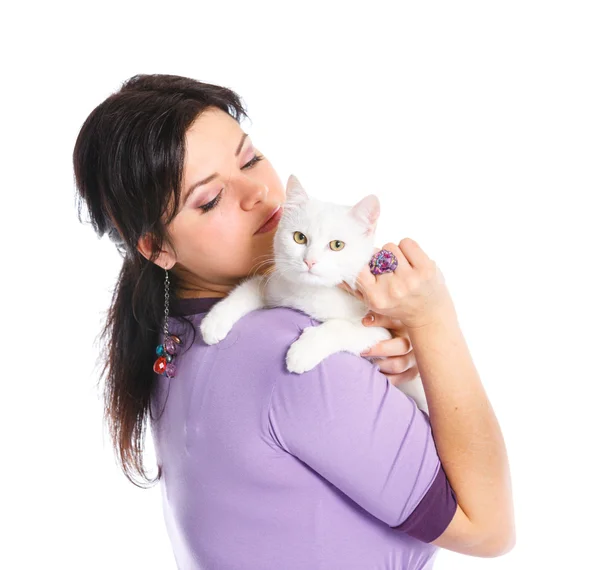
(214, 231)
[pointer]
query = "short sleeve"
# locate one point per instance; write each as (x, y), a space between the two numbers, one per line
(347, 422)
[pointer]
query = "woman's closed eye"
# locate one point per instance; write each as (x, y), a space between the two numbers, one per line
(210, 205)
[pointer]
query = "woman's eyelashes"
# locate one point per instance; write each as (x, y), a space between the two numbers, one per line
(256, 158)
(210, 205)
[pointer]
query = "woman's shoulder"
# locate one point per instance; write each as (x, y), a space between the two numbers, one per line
(264, 329)
(260, 340)
(275, 323)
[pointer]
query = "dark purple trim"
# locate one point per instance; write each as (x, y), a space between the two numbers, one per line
(193, 306)
(433, 514)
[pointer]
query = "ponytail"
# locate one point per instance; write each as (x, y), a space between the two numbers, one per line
(129, 338)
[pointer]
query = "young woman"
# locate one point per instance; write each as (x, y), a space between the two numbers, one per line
(261, 468)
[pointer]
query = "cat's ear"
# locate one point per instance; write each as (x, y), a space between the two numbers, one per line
(367, 213)
(294, 193)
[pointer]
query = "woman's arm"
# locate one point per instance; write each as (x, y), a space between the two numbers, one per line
(467, 435)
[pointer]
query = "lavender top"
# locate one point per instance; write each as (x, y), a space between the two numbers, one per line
(269, 470)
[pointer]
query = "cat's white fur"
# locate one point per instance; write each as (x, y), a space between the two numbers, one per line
(313, 291)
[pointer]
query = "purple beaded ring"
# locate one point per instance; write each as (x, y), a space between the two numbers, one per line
(384, 261)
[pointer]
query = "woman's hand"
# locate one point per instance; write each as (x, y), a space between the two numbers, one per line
(414, 294)
(398, 363)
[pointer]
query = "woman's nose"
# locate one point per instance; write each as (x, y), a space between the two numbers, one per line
(252, 191)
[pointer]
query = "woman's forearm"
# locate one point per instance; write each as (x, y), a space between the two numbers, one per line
(466, 432)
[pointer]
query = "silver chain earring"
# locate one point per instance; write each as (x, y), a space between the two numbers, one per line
(168, 349)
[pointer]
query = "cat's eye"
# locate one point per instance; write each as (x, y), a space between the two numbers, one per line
(336, 245)
(299, 237)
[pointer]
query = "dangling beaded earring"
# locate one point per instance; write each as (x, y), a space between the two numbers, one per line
(168, 349)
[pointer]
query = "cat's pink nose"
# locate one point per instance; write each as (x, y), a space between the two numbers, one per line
(309, 262)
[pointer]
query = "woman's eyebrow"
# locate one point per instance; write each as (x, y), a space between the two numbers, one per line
(214, 175)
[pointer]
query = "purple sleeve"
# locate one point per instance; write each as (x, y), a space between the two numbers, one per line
(346, 421)
(433, 514)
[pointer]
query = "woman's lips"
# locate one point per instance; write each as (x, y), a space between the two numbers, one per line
(271, 222)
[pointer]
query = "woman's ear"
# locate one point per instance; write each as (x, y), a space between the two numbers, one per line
(165, 258)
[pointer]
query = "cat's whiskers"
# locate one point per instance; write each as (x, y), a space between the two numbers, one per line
(268, 257)
(282, 266)
(274, 260)
(258, 267)
(269, 260)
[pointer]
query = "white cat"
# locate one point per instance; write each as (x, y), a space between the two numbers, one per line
(316, 246)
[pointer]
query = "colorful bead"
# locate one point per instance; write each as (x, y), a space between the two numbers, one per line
(383, 261)
(166, 352)
(170, 345)
(160, 365)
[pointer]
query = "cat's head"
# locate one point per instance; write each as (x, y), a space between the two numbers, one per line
(322, 243)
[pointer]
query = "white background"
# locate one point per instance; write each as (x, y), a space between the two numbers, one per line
(476, 123)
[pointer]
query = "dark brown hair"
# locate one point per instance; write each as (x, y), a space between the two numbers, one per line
(128, 164)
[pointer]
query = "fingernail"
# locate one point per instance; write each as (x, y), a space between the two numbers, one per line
(368, 319)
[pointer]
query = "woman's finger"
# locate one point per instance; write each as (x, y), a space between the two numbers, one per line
(409, 255)
(392, 347)
(396, 364)
(371, 285)
(403, 263)
(398, 379)
(396, 326)
(414, 254)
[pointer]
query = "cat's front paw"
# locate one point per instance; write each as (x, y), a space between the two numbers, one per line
(214, 327)
(298, 359)
(304, 355)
